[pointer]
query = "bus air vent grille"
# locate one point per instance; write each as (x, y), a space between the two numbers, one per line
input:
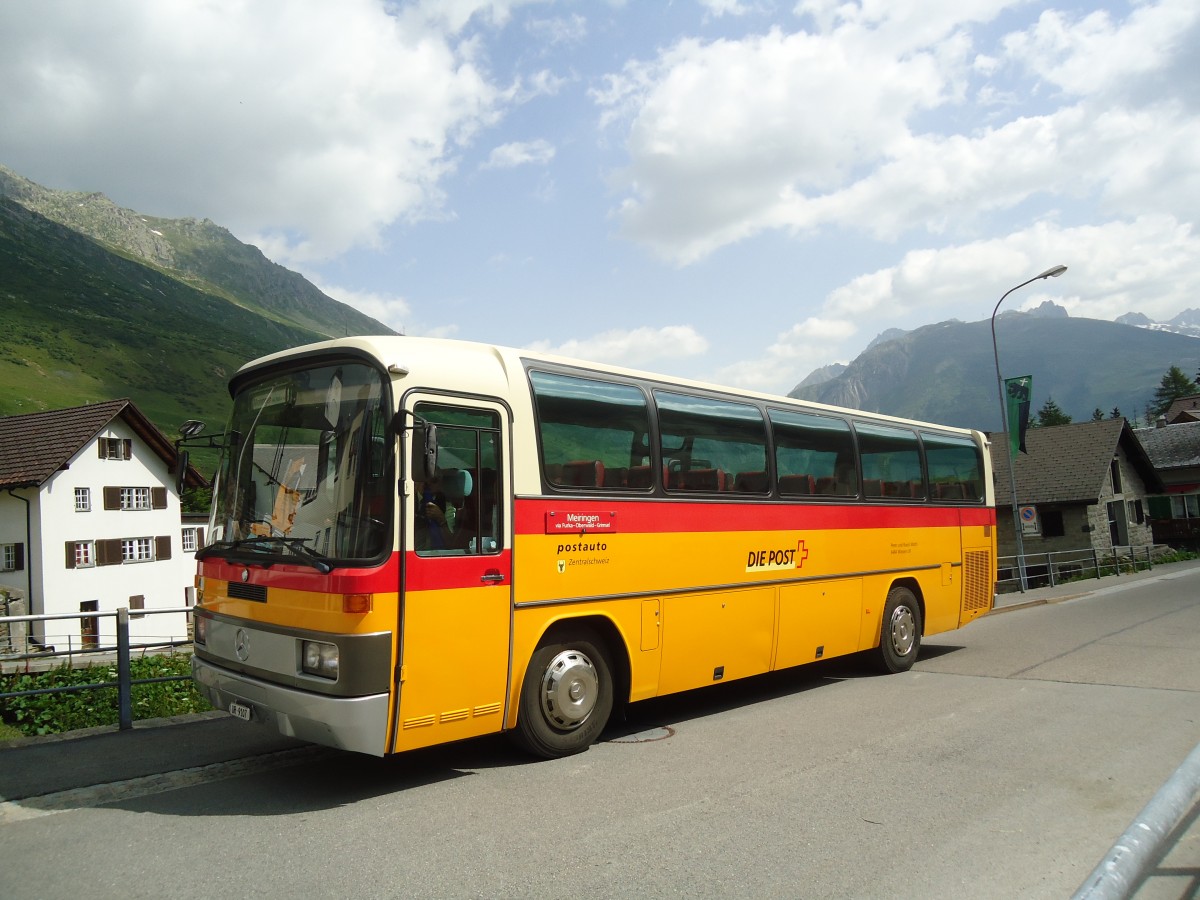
(255, 592)
(977, 581)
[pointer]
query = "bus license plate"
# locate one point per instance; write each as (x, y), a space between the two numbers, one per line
(241, 710)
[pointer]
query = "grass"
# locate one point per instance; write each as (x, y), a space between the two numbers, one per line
(57, 713)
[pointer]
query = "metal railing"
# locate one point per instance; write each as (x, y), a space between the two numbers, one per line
(1131, 859)
(123, 648)
(1050, 569)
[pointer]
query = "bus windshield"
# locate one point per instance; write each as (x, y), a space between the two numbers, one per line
(306, 471)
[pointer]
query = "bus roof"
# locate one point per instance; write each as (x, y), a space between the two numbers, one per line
(479, 368)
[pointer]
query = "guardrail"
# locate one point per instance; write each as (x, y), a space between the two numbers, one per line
(1128, 863)
(123, 649)
(1049, 569)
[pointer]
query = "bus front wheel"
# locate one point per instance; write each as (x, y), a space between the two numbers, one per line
(900, 636)
(566, 697)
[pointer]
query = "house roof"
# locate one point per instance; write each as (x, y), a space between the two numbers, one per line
(1172, 446)
(1184, 409)
(36, 445)
(1068, 463)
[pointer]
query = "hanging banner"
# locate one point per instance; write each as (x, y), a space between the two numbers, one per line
(1018, 391)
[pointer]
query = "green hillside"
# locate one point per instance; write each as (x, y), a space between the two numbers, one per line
(81, 324)
(99, 302)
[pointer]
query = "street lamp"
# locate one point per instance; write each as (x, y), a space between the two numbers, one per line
(1012, 478)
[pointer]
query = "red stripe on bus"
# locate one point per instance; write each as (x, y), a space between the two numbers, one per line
(642, 517)
(380, 579)
(427, 573)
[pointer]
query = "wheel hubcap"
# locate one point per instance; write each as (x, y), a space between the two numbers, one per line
(903, 629)
(570, 687)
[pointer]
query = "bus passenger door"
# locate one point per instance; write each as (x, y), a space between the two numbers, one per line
(456, 581)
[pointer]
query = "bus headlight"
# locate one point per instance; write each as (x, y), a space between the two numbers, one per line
(320, 659)
(200, 630)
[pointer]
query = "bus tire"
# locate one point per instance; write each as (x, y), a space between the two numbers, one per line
(900, 634)
(566, 697)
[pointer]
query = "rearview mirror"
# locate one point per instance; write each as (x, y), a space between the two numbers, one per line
(424, 451)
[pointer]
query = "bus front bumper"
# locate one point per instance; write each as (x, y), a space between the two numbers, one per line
(347, 723)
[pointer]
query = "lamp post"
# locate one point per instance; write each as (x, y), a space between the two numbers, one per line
(1012, 477)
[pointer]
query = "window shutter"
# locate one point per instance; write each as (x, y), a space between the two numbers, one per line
(112, 498)
(18, 557)
(162, 547)
(102, 446)
(108, 553)
(199, 538)
(158, 497)
(127, 448)
(70, 554)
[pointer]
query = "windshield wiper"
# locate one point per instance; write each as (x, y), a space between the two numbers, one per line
(223, 547)
(300, 548)
(261, 543)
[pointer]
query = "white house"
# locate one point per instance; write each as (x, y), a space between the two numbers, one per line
(90, 522)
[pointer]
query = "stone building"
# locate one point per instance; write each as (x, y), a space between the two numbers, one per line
(1079, 487)
(1175, 452)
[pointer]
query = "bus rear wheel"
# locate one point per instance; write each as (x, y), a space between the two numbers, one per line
(900, 636)
(566, 697)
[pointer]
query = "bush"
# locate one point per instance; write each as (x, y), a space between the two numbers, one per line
(56, 713)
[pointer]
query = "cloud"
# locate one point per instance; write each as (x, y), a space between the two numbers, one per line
(312, 125)
(393, 311)
(1093, 54)
(1146, 265)
(560, 30)
(866, 123)
(794, 353)
(639, 348)
(509, 156)
(724, 7)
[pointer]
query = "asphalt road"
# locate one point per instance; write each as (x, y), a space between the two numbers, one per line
(1004, 765)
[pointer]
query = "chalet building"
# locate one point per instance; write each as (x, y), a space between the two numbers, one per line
(1185, 409)
(1174, 449)
(90, 522)
(1079, 487)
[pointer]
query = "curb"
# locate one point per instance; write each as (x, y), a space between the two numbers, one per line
(139, 725)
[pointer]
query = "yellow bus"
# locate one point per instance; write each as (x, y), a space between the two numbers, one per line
(416, 541)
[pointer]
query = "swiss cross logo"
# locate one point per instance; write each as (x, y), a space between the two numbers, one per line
(776, 559)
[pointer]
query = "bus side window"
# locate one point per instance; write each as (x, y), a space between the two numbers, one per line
(590, 433)
(891, 461)
(707, 441)
(955, 467)
(814, 455)
(467, 491)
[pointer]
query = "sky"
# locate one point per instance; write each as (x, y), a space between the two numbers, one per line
(737, 191)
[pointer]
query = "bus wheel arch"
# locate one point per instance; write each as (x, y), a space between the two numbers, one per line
(901, 627)
(570, 687)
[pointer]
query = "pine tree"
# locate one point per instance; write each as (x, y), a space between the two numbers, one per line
(1116, 413)
(1097, 415)
(1052, 414)
(1174, 384)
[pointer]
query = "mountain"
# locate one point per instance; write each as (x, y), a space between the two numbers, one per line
(99, 302)
(1187, 322)
(821, 375)
(946, 372)
(198, 253)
